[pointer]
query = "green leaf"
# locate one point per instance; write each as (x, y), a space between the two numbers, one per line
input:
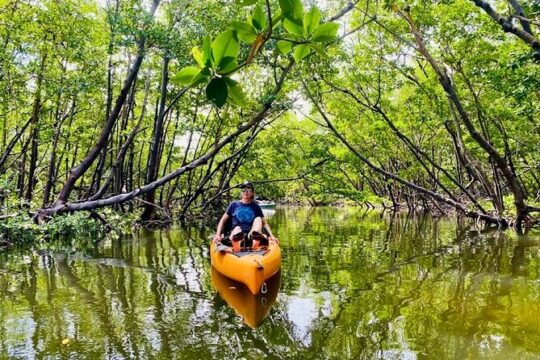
(198, 56)
(293, 26)
(319, 50)
(259, 18)
(201, 77)
(216, 91)
(244, 31)
(207, 51)
(276, 19)
(300, 52)
(227, 65)
(326, 32)
(311, 20)
(246, 2)
(185, 75)
(236, 95)
(224, 45)
(284, 46)
(292, 9)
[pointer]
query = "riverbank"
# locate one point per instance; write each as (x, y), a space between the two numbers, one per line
(22, 228)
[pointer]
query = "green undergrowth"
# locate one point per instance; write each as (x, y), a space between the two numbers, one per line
(22, 229)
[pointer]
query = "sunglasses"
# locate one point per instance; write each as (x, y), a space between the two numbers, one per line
(246, 190)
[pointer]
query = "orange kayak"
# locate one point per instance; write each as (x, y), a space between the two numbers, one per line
(252, 308)
(251, 268)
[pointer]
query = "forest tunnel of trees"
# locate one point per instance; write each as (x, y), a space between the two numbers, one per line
(159, 108)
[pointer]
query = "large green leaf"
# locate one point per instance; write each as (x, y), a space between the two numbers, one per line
(185, 75)
(236, 95)
(216, 91)
(294, 27)
(259, 18)
(311, 20)
(224, 45)
(207, 51)
(300, 52)
(292, 9)
(227, 65)
(284, 46)
(244, 31)
(325, 32)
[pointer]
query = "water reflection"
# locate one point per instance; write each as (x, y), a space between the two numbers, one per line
(353, 285)
(252, 308)
(269, 213)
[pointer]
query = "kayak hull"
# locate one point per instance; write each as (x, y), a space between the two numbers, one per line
(250, 269)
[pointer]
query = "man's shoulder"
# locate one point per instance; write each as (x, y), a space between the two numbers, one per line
(232, 206)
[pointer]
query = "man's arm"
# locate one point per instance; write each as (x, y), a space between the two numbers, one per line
(269, 231)
(218, 237)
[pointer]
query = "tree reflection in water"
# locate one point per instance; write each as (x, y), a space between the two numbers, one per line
(353, 285)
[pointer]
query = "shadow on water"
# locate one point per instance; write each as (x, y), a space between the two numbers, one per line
(354, 284)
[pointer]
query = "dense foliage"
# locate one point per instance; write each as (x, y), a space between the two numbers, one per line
(164, 106)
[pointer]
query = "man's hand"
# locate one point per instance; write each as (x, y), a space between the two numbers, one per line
(217, 239)
(273, 238)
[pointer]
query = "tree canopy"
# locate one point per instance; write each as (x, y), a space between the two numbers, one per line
(162, 107)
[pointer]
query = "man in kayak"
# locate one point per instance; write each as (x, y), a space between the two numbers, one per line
(247, 220)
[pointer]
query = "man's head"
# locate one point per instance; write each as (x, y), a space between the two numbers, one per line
(247, 189)
(247, 185)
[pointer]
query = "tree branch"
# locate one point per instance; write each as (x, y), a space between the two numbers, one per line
(508, 26)
(460, 207)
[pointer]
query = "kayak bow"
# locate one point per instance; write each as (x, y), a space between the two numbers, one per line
(251, 268)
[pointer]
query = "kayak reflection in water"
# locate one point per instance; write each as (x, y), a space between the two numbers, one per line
(247, 222)
(252, 308)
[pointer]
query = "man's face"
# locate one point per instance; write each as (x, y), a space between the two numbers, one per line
(246, 193)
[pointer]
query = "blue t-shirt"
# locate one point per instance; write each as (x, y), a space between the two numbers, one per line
(244, 214)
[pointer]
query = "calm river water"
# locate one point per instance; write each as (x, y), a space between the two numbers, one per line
(353, 285)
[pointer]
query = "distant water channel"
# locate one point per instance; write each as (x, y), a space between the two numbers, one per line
(353, 285)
